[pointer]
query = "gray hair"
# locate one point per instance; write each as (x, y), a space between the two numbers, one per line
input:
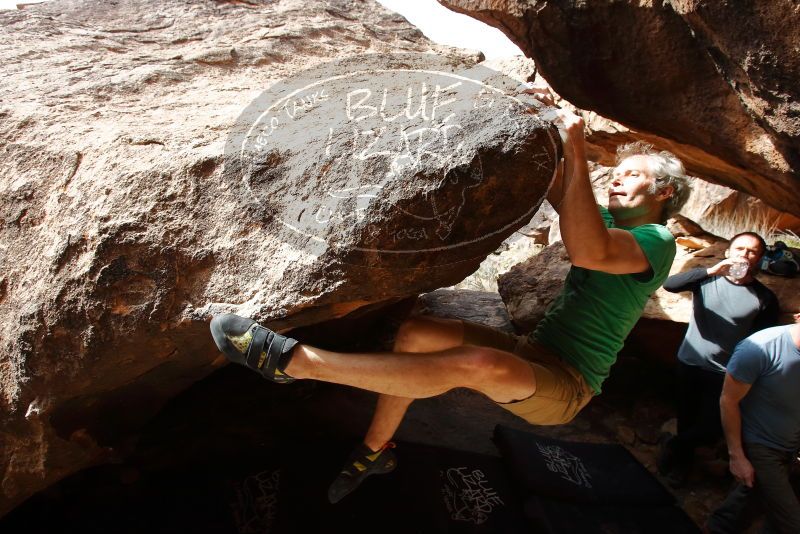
(668, 171)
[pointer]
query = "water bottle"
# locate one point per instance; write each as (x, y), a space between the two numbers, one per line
(738, 270)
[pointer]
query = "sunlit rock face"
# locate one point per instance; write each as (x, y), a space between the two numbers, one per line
(718, 83)
(145, 187)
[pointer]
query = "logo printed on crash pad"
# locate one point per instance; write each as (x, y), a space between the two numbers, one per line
(256, 502)
(468, 495)
(570, 467)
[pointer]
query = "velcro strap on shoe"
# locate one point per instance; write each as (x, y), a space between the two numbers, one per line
(260, 336)
(274, 355)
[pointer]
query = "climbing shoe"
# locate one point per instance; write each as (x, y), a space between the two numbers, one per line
(247, 343)
(361, 463)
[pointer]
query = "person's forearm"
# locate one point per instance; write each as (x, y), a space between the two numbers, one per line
(555, 193)
(685, 281)
(733, 391)
(732, 425)
(582, 228)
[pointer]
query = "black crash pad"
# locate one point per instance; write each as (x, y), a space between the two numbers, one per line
(587, 487)
(552, 516)
(577, 472)
(280, 490)
(283, 490)
(433, 490)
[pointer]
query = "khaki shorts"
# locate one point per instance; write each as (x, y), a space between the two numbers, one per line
(561, 391)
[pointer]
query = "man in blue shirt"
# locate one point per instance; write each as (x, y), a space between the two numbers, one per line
(760, 408)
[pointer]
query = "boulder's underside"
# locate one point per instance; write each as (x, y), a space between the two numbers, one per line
(718, 83)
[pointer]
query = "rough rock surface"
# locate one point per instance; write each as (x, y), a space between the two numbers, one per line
(716, 83)
(530, 286)
(121, 231)
(484, 307)
(713, 206)
(710, 204)
(717, 207)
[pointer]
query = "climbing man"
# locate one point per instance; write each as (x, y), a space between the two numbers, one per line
(727, 307)
(620, 255)
(760, 407)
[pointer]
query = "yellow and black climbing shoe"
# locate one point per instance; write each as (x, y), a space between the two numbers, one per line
(247, 343)
(361, 463)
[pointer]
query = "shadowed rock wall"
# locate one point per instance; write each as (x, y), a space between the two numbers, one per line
(718, 83)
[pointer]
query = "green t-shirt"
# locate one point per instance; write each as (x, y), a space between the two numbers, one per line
(589, 320)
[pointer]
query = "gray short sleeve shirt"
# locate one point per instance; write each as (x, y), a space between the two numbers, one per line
(723, 314)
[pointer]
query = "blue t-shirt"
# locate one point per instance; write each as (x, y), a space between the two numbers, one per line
(770, 361)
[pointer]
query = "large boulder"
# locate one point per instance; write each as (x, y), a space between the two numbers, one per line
(145, 186)
(715, 82)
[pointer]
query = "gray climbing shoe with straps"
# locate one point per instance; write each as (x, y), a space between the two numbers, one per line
(247, 343)
(361, 463)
